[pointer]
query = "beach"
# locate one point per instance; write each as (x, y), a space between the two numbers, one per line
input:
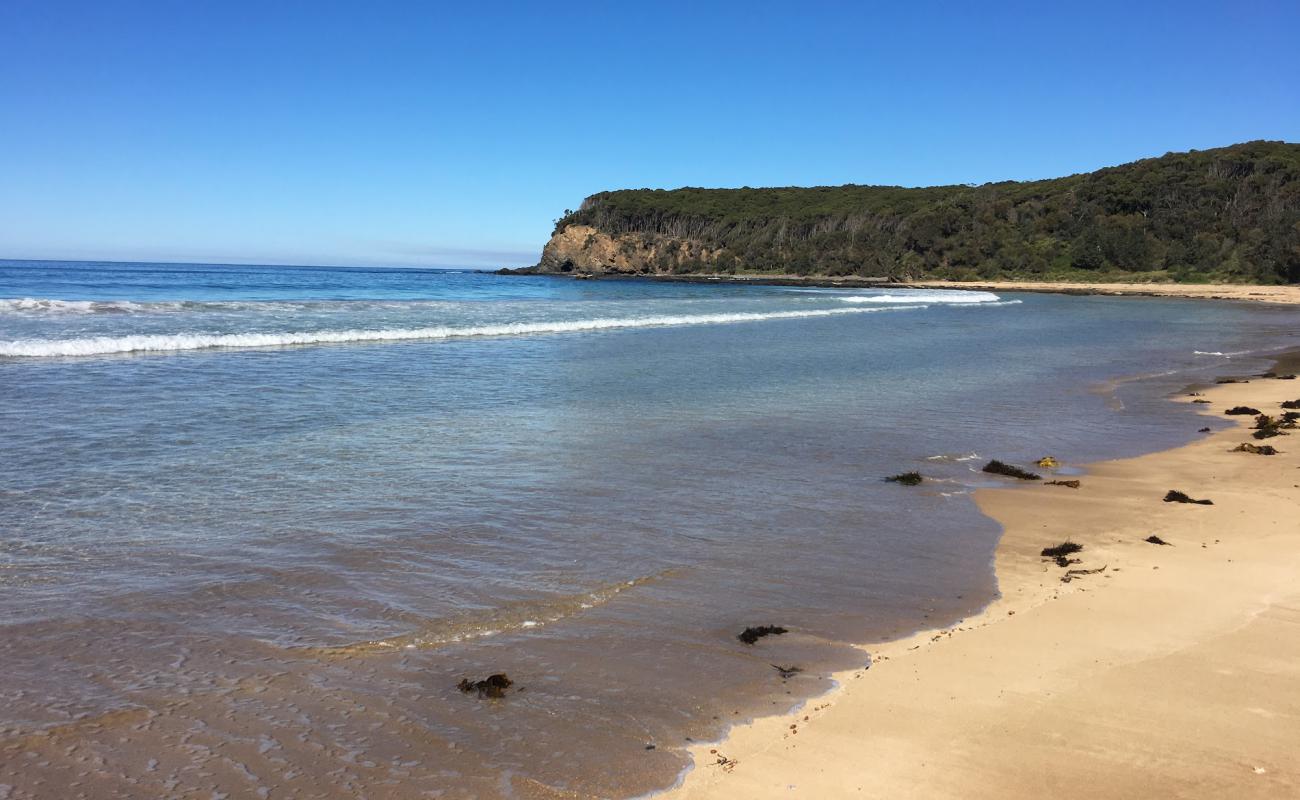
(1173, 672)
(1196, 291)
(1284, 294)
(352, 492)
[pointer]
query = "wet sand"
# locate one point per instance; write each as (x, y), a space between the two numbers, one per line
(1175, 672)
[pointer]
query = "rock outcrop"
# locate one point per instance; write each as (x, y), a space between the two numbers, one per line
(581, 249)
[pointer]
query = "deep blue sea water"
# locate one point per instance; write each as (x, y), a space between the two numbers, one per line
(257, 522)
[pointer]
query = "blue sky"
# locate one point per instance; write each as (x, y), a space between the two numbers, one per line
(414, 133)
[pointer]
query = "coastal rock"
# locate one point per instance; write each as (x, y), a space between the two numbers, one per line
(1241, 411)
(581, 250)
(906, 478)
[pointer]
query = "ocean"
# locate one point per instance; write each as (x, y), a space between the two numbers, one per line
(258, 522)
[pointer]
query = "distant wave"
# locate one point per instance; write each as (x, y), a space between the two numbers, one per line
(1222, 355)
(139, 343)
(942, 296)
(40, 305)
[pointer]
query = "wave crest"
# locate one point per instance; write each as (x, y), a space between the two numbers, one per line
(142, 343)
(929, 297)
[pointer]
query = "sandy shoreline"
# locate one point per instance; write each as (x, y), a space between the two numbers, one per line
(1196, 291)
(1289, 295)
(1173, 673)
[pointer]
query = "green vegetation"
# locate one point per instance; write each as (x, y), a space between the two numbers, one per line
(1230, 214)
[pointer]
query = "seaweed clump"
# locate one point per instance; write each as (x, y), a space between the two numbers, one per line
(1241, 411)
(1074, 573)
(906, 478)
(751, 635)
(1153, 539)
(1061, 553)
(491, 686)
(1291, 404)
(1175, 496)
(998, 468)
(1257, 449)
(1266, 427)
(1072, 484)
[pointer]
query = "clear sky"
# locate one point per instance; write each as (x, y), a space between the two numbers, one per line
(420, 133)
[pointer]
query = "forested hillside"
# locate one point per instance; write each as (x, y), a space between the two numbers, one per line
(1230, 214)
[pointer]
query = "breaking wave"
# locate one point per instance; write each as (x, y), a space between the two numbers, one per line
(40, 305)
(938, 297)
(141, 343)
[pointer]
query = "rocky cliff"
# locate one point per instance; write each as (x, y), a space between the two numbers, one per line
(582, 249)
(1226, 215)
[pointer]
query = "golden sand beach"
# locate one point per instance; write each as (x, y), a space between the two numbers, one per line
(1199, 291)
(1174, 672)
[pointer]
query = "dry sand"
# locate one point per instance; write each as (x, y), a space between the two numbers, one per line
(1173, 673)
(1200, 291)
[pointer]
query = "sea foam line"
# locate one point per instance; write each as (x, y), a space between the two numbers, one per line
(942, 296)
(141, 343)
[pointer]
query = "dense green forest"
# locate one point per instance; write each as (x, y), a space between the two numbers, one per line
(1229, 214)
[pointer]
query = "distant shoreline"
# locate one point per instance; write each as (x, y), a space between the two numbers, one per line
(1258, 293)
(1163, 668)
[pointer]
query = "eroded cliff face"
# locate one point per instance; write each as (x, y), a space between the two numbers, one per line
(583, 249)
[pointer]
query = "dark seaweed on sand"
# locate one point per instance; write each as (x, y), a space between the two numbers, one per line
(998, 468)
(1257, 449)
(1291, 404)
(751, 635)
(1241, 411)
(1153, 539)
(1266, 427)
(1175, 496)
(1066, 548)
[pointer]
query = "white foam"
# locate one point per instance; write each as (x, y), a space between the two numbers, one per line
(140, 343)
(30, 304)
(43, 305)
(930, 297)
